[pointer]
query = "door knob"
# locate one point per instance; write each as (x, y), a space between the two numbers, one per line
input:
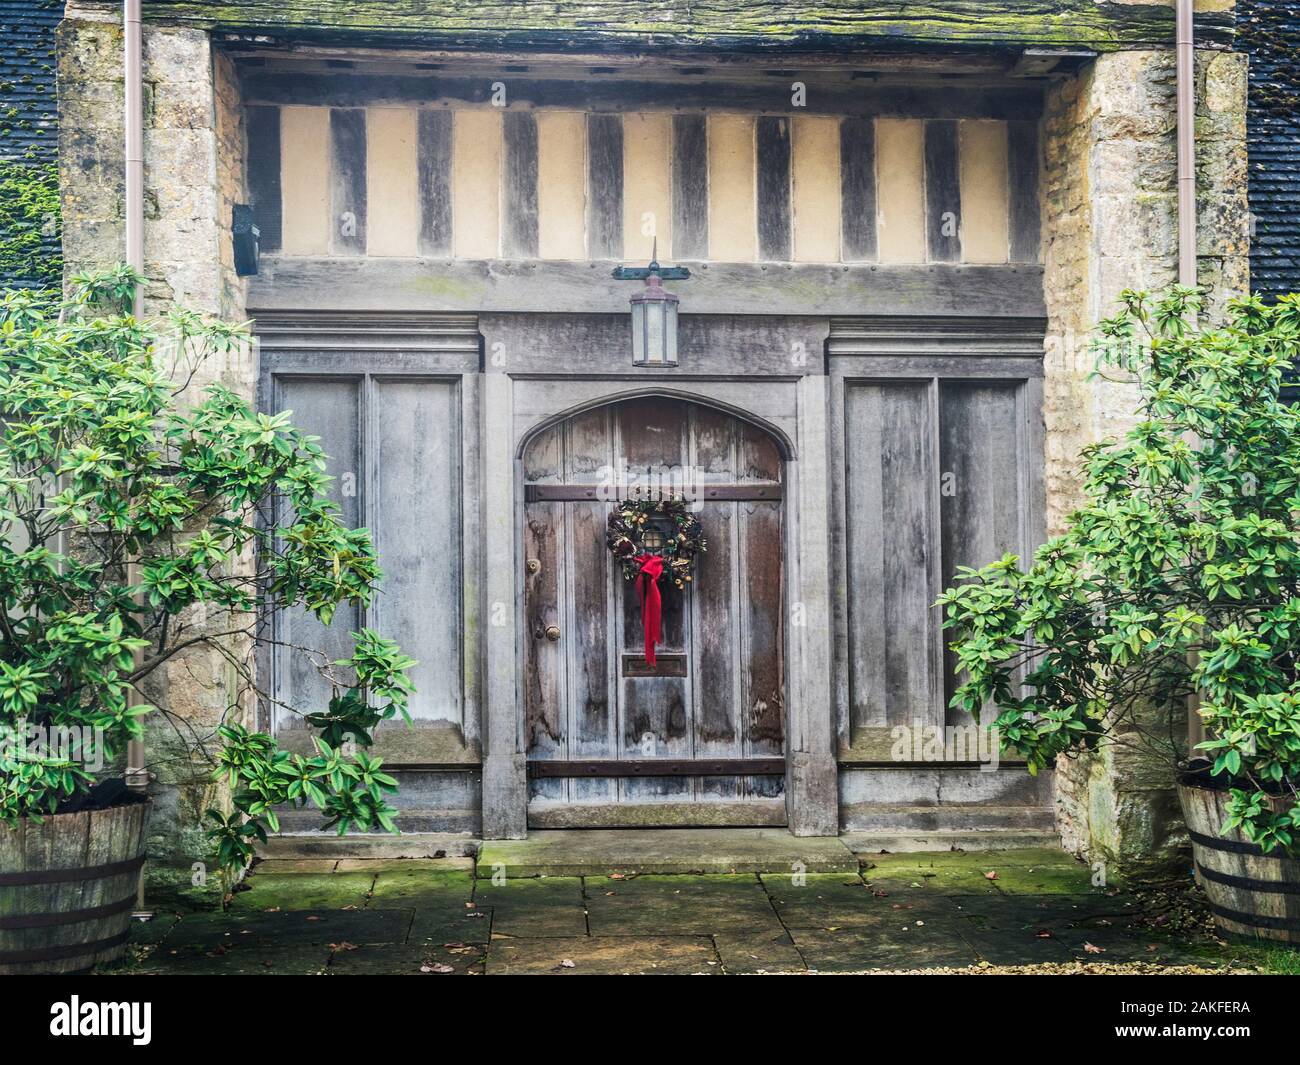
(533, 565)
(552, 632)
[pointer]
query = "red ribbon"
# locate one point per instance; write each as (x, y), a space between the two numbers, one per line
(647, 586)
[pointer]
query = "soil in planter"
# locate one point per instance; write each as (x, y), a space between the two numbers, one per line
(102, 796)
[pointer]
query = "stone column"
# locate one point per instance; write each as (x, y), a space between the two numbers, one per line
(1109, 202)
(193, 172)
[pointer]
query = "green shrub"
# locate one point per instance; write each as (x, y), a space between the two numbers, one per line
(1179, 577)
(122, 509)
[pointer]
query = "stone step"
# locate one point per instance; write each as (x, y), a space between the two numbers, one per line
(327, 845)
(588, 852)
(865, 844)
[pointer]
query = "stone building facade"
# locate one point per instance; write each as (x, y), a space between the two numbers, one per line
(843, 366)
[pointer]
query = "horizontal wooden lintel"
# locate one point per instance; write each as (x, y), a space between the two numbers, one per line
(448, 286)
(658, 767)
(781, 27)
(765, 491)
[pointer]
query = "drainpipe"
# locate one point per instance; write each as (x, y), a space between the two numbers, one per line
(133, 124)
(1186, 78)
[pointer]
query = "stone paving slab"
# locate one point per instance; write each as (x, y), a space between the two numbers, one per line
(900, 944)
(909, 912)
(603, 956)
(758, 952)
(278, 960)
(302, 891)
(409, 960)
(663, 851)
(291, 927)
(839, 901)
(541, 907)
(689, 905)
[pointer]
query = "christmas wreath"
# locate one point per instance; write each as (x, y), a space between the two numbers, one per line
(653, 539)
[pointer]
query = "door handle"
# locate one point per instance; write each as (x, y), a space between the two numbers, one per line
(552, 632)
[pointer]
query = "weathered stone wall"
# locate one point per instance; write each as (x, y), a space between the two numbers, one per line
(193, 145)
(1110, 206)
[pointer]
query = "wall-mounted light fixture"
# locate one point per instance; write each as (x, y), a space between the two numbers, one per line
(654, 312)
(245, 234)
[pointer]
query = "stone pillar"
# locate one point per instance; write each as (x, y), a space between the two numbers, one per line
(1110, 223)
(193, 173)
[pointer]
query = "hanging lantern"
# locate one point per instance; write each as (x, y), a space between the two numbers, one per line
(654, 323)
(654, 311)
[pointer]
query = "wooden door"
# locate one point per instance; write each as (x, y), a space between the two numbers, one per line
(699, 738)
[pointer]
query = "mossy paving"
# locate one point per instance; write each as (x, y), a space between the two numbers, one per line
(1033, 911)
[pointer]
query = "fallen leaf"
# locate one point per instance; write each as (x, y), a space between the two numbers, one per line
(1043, 933)
(617, 876)
(1093, 949)
(345, 945)
(992, 874)
(436, 968)
(568, 963)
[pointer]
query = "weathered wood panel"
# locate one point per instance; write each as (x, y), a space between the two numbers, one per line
(725, 288)
(858, 189)
(519, 185)
(942, 192)
(415, 514)
(890, 555)
(1022, 191)
(981, 493)
(592, 711)
(434, 164)
(772, 146)
(767, 26)
(262, 130)
(604, 186)
(650, 435)
(347, 181)
(721, 693)
(329, 408)
(832, 95)
(392, 181)
(690, 187)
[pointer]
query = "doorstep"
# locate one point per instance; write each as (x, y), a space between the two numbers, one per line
(599, 852)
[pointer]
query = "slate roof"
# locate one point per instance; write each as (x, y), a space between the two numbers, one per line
(1269, 30)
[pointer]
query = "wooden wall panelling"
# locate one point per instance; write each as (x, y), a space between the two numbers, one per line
(858, 189)
(604, 186)
(264, 190)
(942, 192)
(347, 181)
(772, 147)
(434, 182)
(690, 187)
(519, 185)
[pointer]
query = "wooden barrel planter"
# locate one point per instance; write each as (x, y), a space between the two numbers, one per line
(67, 889)
(1253, 894)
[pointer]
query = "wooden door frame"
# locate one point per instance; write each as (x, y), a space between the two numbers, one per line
(811, 788)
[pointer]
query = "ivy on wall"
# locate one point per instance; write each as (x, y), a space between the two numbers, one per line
(29, 187)
(29, 224)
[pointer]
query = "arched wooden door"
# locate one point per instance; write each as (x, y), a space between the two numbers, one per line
(700, 738)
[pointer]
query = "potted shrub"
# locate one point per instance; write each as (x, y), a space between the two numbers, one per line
(1177, 583)
(135, 528)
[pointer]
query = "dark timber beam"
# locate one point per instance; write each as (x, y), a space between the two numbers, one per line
(701, 26)
(524, 286)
